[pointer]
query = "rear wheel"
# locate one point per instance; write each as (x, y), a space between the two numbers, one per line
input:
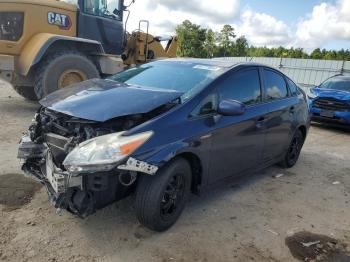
(27, 92)
(160, 199)
(61, 70)
(294, 150)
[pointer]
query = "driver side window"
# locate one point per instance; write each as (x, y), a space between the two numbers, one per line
(103, 8)
(243, 86)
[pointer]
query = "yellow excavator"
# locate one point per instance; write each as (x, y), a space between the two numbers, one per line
(46, 45)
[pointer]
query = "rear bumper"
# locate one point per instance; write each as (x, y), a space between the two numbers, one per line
(338, 118)
(7, 67)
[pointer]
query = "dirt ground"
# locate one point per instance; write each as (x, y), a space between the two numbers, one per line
(264, 217)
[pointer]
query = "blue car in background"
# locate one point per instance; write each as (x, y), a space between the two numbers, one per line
(330, 102)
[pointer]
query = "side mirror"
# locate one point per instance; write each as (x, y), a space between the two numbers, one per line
(230, 107)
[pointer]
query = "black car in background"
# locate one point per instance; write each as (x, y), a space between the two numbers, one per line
(163, 130)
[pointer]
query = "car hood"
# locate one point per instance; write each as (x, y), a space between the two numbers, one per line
(101, 100)
(338, 94)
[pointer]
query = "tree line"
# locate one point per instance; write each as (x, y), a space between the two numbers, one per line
(199, 42)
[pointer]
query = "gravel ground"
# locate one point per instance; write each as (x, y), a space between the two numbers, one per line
(251, 219)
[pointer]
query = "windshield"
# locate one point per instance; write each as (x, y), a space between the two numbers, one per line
(186, 77)
(342, 84)
(103, 8)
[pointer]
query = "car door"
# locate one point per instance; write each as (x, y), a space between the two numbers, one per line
(280, 116)
(237, 141)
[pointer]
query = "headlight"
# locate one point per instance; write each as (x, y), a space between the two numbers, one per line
(311, 94)
(104, 152)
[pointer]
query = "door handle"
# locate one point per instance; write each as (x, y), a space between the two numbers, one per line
(260, 119)
(206, 136)
(260, 122)
(292, 110)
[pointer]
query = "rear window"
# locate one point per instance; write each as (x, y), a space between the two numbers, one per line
(294, 90)
(275, 86)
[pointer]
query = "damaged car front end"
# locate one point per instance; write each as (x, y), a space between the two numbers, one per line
(79, 150)
(98, 141)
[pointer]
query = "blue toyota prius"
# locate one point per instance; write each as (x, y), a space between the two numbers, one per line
(162, 130)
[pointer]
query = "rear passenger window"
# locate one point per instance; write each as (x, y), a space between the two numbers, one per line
(243, 86)
(294, 90)
(275, 86)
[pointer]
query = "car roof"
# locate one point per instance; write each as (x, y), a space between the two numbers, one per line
(340, 77)
(220, 62)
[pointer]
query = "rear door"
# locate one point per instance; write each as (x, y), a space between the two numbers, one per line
(237, 141)
(279, 119)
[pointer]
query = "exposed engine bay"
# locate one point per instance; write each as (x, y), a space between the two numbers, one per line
(52, 137)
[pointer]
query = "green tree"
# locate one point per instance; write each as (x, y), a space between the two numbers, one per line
(299, 53)
(191, 38)
(241, 46)
(195, 41)
(210, 43)
(226, 40)
(316, 54)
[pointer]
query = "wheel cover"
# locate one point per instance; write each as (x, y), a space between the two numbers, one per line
(70, 77)
(173, 196)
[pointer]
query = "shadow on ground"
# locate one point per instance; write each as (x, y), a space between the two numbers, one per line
(16, 190)
(340, 129)
(306, 246)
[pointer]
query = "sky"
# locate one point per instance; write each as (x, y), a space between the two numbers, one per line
(308, 24)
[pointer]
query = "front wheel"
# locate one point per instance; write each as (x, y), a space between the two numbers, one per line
(160, 199)
(292, 155)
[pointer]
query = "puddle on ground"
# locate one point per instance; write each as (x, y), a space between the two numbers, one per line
(306, 246)
(16, 190)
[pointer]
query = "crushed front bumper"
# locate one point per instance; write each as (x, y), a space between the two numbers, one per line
(79, 194)
(336, 118)
(38, 164)
(7, 67)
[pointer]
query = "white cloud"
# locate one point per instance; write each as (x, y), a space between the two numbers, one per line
(264, 30)
(326, 23)
(164, 15)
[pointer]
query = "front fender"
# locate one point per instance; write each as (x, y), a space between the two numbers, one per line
(160, 156)
(36, 48)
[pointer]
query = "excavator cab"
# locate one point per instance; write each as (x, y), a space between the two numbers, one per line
(102, 20)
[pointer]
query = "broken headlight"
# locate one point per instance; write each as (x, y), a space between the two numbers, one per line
(11, 25)
(104, 152)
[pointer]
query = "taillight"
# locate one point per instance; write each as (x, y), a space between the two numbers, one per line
(11, 25)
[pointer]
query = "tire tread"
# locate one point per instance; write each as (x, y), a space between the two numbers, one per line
(48, 60)
(27, 92)
(147, 194)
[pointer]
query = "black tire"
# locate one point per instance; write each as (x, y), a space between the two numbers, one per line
(158, 203)
(27, 92)
(292, 155)
(50, 71)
